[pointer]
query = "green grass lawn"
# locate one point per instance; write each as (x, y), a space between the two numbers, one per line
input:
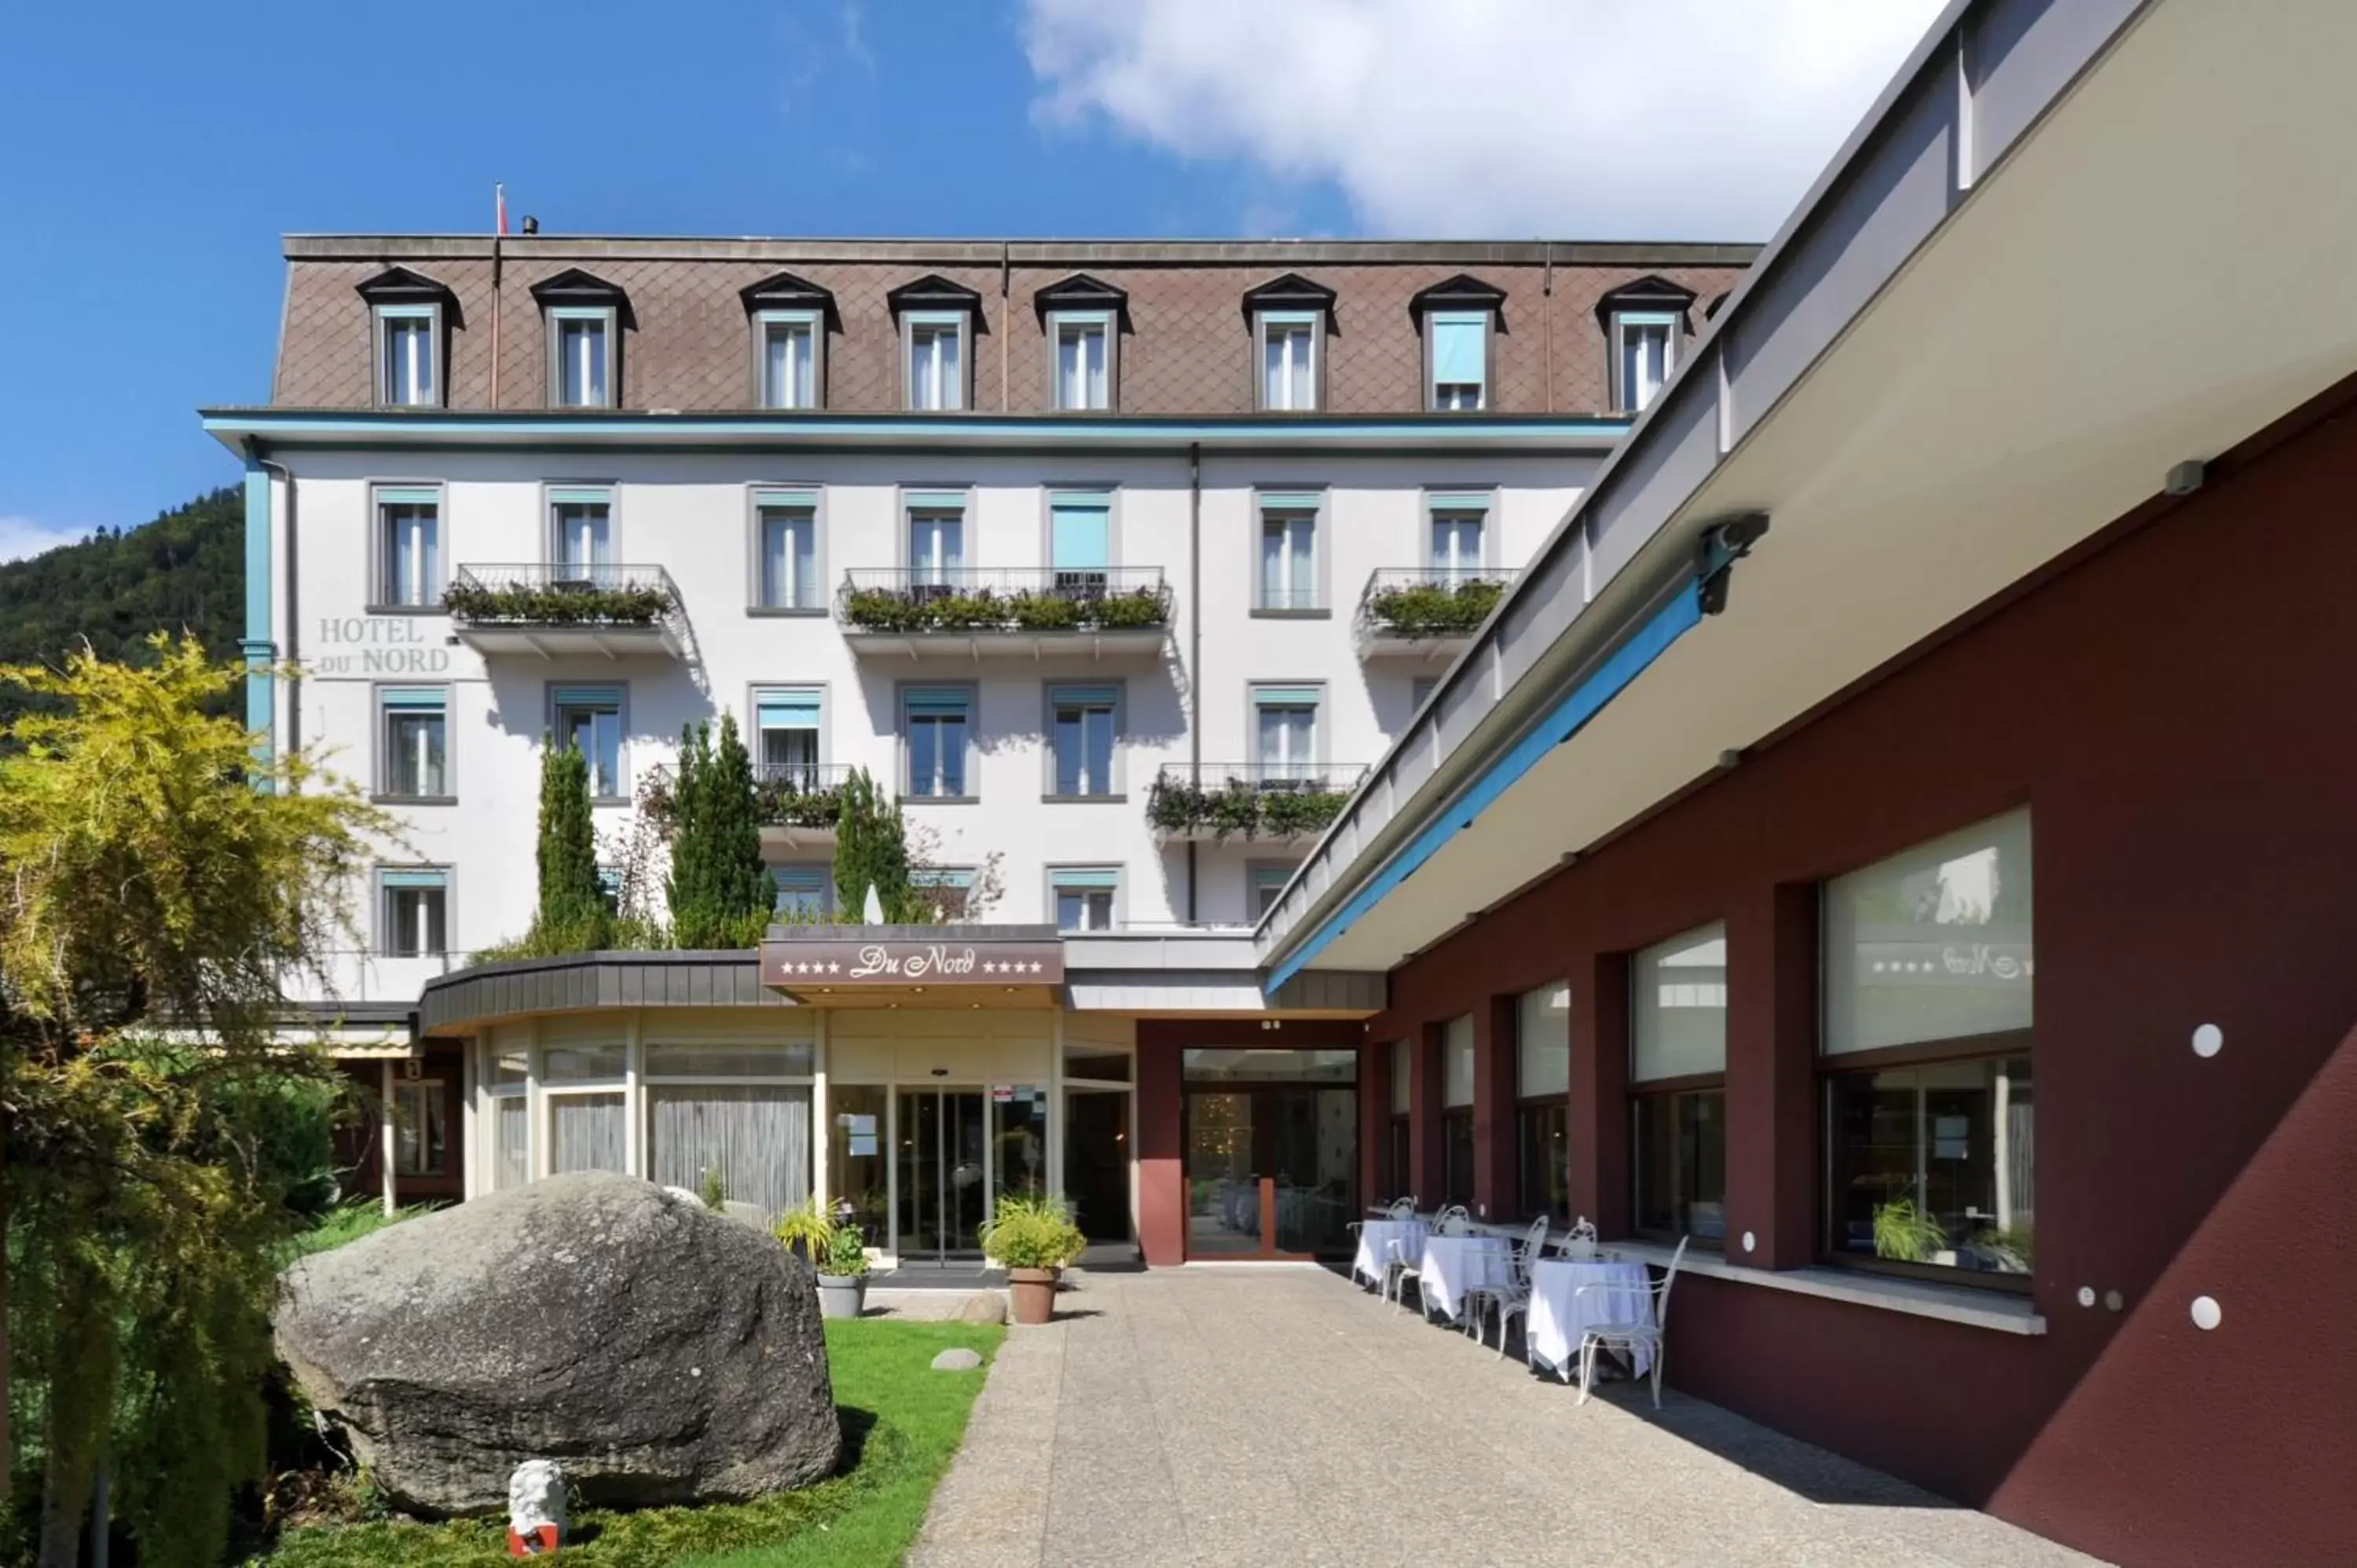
(901, 1423)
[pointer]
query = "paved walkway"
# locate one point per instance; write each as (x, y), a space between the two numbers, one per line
(1283, 1417)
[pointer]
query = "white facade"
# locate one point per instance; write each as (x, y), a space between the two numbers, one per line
(693, 515)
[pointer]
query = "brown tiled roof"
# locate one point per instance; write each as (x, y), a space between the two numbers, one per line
(1187, 353)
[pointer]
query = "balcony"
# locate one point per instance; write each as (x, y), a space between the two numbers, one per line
(556, 608)
(1426, 612)
(797, 803)
(1257, 800)
(974, 612)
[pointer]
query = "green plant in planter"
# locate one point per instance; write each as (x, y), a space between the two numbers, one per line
(1434, 610)
(805, 1230)
(846, 1254)
(1905, 1233)
(1287, 812)
(1028, 1232)
(881, 609)
(1131, 609)
(1048, 612)
(711, 1190)
(549, 605)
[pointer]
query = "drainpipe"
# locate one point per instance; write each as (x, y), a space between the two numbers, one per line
(257, 648)
(1547, 322)
(1194, 644)
(1005, 325)
(497, 293)
(294, 608)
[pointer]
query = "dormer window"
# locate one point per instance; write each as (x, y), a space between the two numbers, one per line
(789, 319)
(1289, 317)
(408, 315)
(938, 320)
(1456, 318)
(585, 315)
(1645, 323)
(1082, 320)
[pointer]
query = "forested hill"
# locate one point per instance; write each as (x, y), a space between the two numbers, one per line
(184, 570)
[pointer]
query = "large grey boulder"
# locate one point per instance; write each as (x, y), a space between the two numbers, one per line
(658, 1351)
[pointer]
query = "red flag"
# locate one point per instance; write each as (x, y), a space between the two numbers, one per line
(499, 201)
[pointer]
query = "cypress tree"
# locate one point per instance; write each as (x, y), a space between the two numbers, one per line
(689, 891)
(871, 850)
(572, 912)
(742, 894)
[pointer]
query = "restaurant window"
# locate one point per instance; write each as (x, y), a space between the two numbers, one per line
(409, 547)
(936, 728)
(786, 734)
(1288, 554)
(1084, 348)
(413, 911)
(420, 1131)
(1084, 897)
(1403, 1170)
(1543, 1100)
(789, 343)
(415, 724)
(1083, 725)
(507, 1081)
(786, 539)
(1677, 1082)
(735, 1116)
(802, 892)
(1926, 1057)
(1248, 1064)
(1457, 1110)
(589, 720)
(1457, 351)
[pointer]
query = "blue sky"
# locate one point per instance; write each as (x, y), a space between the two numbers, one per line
(159, 151)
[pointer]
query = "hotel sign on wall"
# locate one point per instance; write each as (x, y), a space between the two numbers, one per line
(795, 965)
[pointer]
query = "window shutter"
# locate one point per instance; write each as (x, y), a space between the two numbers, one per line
(935, 500)
(588, 696)
(1082, 536)
(1459, 347)
(414, 698)
(936, 699)
(1080, 881)
(787, 710)
(1084, 697)
(414, 878)
(1285, 697)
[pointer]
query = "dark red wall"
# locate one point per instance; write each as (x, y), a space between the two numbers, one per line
(2177, 708)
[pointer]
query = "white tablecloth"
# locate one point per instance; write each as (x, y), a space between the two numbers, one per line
(1375, 1238)
(1456, 1264)
(1558, 1319)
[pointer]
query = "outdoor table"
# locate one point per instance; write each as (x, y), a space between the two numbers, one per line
(1559, 1318)
(1375, 1238)
(1454, 1265)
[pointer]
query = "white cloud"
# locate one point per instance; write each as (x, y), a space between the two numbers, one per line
(1583, 119)
(22, 536)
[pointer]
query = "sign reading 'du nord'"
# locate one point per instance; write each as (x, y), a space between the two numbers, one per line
(800, 965)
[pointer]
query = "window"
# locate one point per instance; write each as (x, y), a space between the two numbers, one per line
(1459, 355)
(1403, 1170)
(936, 360)
(803, 892)
(507, 1080)
(1080, 540)
(589, 720)
(1083, 360)
(947, 889)
(1457, 1110)
(1420, 689)
(419, 1128)
(1677, 1076)
(414, 723)
(1084, 898)
(787, 525)
(1083, 724)
(786, 731)
(409, 339)
(1927, 1011)
(581, 344)
(1288, 360)
(1284, 733)
(788, 341)
(409, 546)
(581, 532)
(1267, 885)
(936, 726)
(1457, 527)
(1289, 553)
(936, 538)
(412, 912)
(1644, 352)
(1543, 1100)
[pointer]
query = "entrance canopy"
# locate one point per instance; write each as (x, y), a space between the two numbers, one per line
(916, 966)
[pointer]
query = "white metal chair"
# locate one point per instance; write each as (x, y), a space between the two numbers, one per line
(1397, 1208)
(1639, 1319)
(1579, 1241)
(1515, 1301)
(1403, 1265)
(1453, 1221)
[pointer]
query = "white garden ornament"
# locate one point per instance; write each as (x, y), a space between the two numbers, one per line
(537, 1506)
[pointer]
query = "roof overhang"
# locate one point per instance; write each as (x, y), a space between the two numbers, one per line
(1998, 321)
(377, 429)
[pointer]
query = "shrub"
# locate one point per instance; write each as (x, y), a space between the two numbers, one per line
(921, 607)
(551, 605)
(1434, 610)
(846, 1253)
(1238, 809)
(1029, 1232)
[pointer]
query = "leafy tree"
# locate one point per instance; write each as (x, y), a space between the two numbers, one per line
(574, 916)
(160, 875)
(871, 850)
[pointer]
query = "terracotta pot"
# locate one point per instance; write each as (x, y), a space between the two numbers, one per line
(1033, 1294)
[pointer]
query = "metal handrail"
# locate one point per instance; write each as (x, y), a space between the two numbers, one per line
(1268, 778)
(988, 599)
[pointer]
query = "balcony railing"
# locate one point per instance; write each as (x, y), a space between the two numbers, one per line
(562, 594)
(785, 794)
(1005, 599)
(1411, 605)
(1219, 800)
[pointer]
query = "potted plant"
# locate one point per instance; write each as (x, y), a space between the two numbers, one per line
(806, 1232)
(843, 1275)
(1033, 1238)
(1906, 1233)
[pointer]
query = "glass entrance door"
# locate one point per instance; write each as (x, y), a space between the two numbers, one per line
(1271, 1172)
(944, 1141)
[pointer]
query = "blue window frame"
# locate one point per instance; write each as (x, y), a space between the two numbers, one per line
(581, 356)
(1084, 897)
(590, 719)
(1079, 539)
(1084, 724)
(415, 724)
(409, 545)
(789, 343)
(1460, 360)
(803, 892)
(936, 726)
(409, 353)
